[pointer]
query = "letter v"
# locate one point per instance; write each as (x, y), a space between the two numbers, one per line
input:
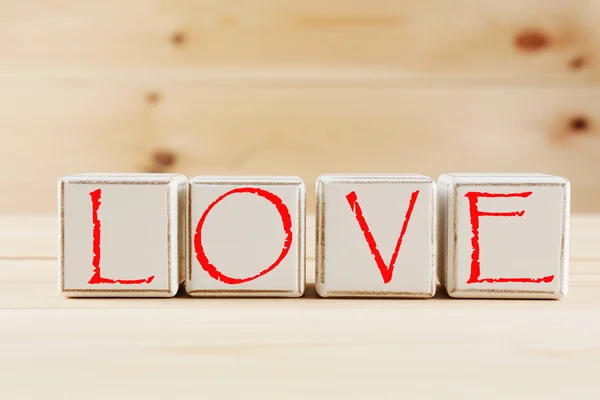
(386, 271)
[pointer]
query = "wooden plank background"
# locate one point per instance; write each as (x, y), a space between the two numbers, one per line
(289, 87)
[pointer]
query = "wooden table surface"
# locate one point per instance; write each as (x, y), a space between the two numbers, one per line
(290, 348)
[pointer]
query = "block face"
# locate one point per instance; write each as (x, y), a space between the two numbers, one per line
(360, 221)
(120, 234)
(442, 229)
(246, 237)
(507, 236)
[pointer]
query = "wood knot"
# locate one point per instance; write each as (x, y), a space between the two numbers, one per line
(531, 40)
(178, 38)
(579, 124)
(577, 63)
(153, 97)
(164, 158)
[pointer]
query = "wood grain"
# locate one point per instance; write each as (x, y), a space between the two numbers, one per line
(294, 348)
(288, 87)
(256, 127)
(302, 88)
(463, 38)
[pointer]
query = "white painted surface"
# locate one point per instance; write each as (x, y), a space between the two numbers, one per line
(139, 237)
(346, 266)
(243, 235)
(530, 246)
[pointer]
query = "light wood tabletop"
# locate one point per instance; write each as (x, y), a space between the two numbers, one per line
(290, 348)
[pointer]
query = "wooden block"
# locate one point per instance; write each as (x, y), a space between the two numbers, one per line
(503, 235)
(122, 235)
(375, 236)
(246, 237)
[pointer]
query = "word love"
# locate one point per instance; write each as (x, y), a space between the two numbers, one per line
(480, 235)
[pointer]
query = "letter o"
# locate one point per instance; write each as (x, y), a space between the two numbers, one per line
(286, 219)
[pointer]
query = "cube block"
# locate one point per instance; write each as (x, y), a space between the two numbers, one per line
(246, 237)
(375, 236)
(121, 235)
(503, 235)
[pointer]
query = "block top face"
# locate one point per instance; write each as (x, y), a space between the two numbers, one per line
(246, 180)
(150, 178)
(467, 178)
(246, 236)
(376, 236)
(119, 234)
(375, 178)
(507, 234)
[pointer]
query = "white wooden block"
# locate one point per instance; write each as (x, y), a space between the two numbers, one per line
(246, 237)
(503, 235)
(122, 235)
(375, 236)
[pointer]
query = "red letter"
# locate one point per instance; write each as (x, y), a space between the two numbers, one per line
(287, 228)
(386, 272)
(475, 214)
(97, 278)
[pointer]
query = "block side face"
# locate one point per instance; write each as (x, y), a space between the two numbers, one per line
(360, 226)
(61, 234)
(510, 238)
(173, 243)
(434, 240)
(183, 239)
(319, 232)
(246, 240)
(442, 230)
(445, 179)
(321, 290)
(450, 238)
(566, 240)
(179, 179)
(191, 229)
(302, 240)
(179, 231)
(115, 238)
